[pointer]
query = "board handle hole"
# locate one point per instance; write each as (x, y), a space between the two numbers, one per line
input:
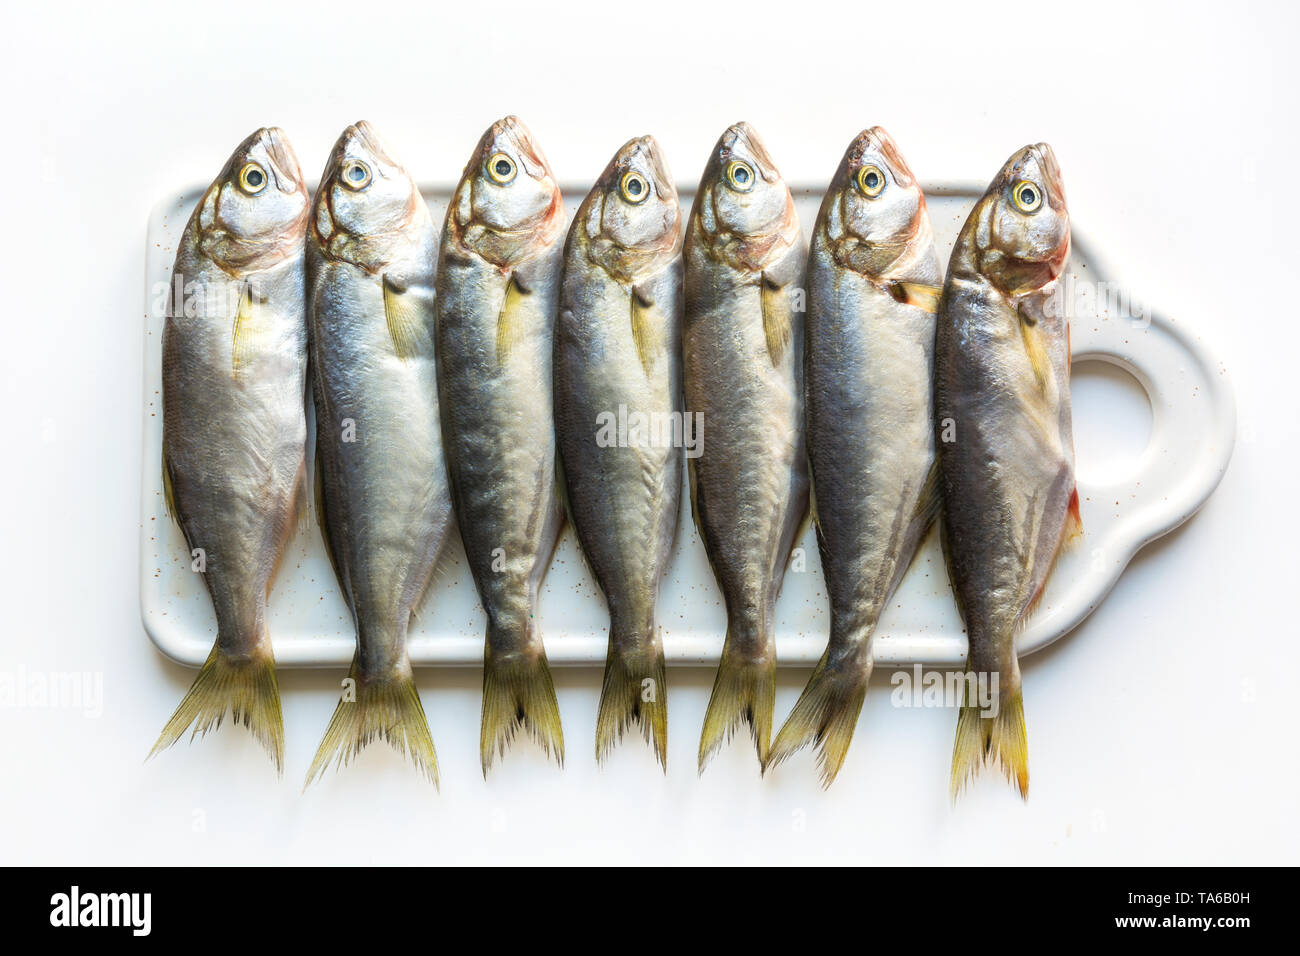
(1112, 421)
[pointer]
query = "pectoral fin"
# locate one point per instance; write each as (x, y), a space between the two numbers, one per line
(406, 313)
(776, 318)
(1035, 350)
(510, 322)
(645, 331)
(918, 294)
(247, 330)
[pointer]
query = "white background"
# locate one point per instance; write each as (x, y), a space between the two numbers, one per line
(1163, 729)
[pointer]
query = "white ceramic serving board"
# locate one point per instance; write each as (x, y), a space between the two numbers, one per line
(1192, 429)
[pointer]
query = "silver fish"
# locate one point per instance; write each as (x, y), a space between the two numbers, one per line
(234, 359)
(873, 287)
(618, 353)
(499, 266)
(381, 484)
(743, 349)
(1006, 448)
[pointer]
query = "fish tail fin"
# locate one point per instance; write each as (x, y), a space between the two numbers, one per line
(826, 714)
(518, 693)
(635, 691)
(245, 686)
(388, 707)
(744, 691)
(1000, 738)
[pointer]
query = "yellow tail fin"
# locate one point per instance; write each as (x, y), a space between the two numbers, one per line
(518, 693)
(388, 708)
(635, 691)
(246, 687)
(999, 738)
(825, 715)
(743, 692)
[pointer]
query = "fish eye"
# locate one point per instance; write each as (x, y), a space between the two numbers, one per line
(871, 180)
(252, 179)
(501, 168)
(741, 175)
(356, 174)
(634, 187)
(1027, 196)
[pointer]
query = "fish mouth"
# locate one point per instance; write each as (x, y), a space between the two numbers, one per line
(1052, 177)
(361, 142)
(878, 139)
(647, 147)
(283, 158)
(511, 129)
(364, 136)
(1040, 156)
(742, 138)
(875, 136)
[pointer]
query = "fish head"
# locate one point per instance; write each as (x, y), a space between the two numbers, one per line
(255, 212)
(364, 193)
(632, 217)
(879, 206)
(743, 196)
(508, 203)
(1024, 229)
